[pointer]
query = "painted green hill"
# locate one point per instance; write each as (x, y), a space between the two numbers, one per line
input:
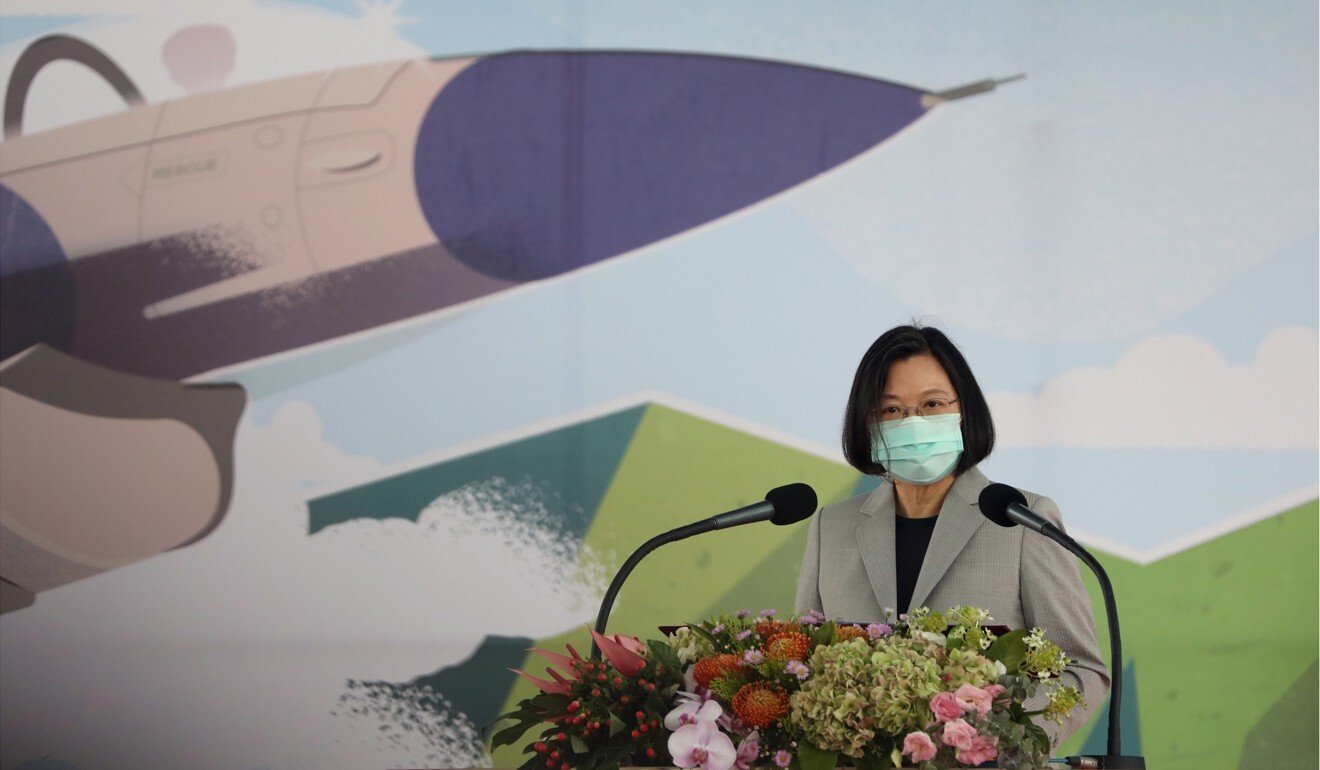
(1219, 634)
(1218, 639)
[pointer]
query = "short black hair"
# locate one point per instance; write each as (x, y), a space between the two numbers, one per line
(899, 344)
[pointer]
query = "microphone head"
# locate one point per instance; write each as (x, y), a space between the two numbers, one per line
(994, 502)
(792, 502)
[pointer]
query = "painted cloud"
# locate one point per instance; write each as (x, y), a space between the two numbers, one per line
(1175, 391)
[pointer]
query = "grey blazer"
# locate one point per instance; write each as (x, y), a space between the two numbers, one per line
(1019, 576)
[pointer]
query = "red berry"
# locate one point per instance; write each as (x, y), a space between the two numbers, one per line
(624, 699)
(554, 755)
(641, 715)
(618, 681)
(540, 747)
(573, 707)
(636, 734)
(650, 753)
(561, 737)
(644, 728)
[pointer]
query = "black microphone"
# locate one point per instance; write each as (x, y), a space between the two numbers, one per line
(1007, 507)
(788, 504)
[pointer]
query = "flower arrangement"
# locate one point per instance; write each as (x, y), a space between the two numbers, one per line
(927, 689)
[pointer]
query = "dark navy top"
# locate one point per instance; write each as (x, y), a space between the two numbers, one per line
(911, 538)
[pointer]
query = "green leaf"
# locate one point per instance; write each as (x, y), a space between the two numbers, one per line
(1038, 734)
(579, 746)
(823, 634)
(510, 735)
(549, 704)
(813, 758)
(611, 757)
(616, 725)
(665, 656)
(1009, 649)
(697, 629)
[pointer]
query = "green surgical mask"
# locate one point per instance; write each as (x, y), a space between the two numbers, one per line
(918, 450)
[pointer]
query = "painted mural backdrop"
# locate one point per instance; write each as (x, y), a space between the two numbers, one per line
(348, 347)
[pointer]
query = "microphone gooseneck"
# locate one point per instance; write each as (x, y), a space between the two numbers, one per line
(1007, 507)
(788, 504)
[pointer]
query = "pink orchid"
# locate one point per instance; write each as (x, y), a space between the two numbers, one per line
(958, 734)
(692, 709)
(982, 750)
(702, 745)
(973, 698)
(919, 747)
(747, 751)
(622, 652)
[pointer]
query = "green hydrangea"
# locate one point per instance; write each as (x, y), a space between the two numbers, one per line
(860, 688)
(967, 666)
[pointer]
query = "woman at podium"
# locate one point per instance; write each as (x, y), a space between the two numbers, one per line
(917, 418)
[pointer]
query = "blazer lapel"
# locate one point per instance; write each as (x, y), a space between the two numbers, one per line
(959, 519)
(875, 540)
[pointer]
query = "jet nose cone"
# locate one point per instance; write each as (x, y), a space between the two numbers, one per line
(529, 165)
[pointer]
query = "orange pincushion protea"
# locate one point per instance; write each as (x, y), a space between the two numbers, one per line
(768, 627)
(760, 704)
(788, 645)
(709, 669)
(844, 633)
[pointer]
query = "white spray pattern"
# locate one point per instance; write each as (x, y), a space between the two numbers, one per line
(521, 519)
(274, 622)
(413, 724)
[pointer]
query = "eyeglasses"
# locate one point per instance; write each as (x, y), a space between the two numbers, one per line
(928, 408)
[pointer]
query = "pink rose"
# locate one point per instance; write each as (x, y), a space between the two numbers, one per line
(959, 735)
(919, 747)
(995, 690)
(945, 706)
(973, 698)
(982, 750)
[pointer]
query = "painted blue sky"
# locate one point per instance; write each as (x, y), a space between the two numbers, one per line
(1153, 175)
